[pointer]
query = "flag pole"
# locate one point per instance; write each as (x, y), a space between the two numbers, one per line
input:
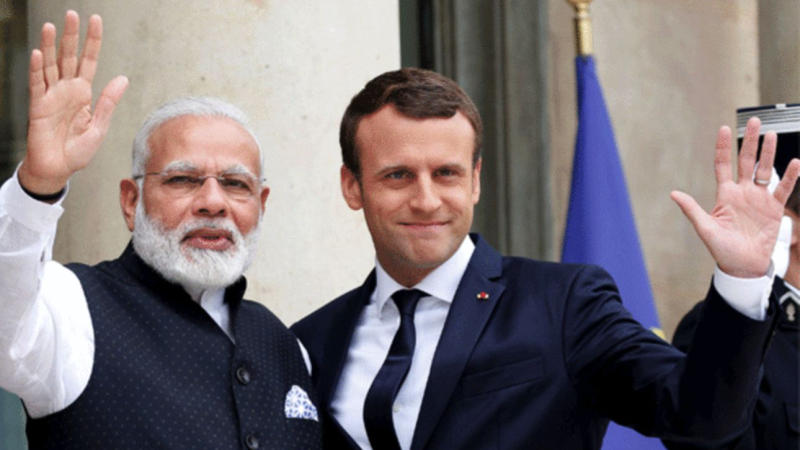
(583, 26)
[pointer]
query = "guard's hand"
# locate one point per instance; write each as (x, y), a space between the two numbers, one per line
(741, 230)
(63, 132)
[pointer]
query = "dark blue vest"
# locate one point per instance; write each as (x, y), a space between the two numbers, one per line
(166, 376)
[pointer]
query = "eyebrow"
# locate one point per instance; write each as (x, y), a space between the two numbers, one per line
(389, 169)
(183, 166)
(458, 167)
(186, 166)
(238, 169)
(452, 166)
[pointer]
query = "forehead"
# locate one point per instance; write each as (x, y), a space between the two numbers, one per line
(387, 134)
(209, 143)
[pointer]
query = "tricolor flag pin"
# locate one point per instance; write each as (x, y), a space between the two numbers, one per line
(483, 295)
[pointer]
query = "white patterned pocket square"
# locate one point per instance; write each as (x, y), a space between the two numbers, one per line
(299, 406)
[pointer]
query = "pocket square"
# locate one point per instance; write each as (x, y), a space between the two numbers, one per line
(299, 406)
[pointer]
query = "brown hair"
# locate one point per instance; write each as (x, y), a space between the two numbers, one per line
(416, 93)
(793, 204)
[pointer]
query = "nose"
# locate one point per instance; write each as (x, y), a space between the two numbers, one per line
(426, 197)
(210, 200)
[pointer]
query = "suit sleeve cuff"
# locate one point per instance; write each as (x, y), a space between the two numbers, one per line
(33, 214)
(748, 296)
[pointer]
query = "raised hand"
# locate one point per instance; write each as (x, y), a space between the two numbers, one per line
(741, 230)
(63, 132)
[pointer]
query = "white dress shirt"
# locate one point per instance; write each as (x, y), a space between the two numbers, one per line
(380, 320)
(46, 333)
(373, 336)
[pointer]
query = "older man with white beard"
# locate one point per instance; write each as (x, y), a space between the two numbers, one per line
(155, 349)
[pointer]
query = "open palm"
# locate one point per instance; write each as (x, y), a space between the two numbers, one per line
(741, 230)
(63, 132)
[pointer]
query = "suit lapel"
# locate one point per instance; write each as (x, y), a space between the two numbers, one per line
(465, 322)
(338, 344)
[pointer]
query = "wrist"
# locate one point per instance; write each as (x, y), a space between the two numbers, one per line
(41, 188)
(745, 272)
(47, 198)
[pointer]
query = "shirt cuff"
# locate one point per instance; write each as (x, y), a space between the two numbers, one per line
(748, 296)
(33, 214)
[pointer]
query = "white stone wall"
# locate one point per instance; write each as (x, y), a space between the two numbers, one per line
(293, 67)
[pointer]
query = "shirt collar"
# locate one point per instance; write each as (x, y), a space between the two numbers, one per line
(211, 297)
(441, 283)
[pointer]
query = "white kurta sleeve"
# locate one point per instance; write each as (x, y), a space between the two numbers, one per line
(46, 334)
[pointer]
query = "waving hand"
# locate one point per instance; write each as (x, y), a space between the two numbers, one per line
(741, 229)
(63, 131)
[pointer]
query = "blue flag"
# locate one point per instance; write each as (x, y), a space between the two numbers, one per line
(600, 227)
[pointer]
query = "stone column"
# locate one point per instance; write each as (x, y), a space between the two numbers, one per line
(497, 52)
(293, 67)
(779, 51)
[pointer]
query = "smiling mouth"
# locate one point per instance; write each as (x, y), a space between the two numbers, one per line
(423, 226)
(209, 239)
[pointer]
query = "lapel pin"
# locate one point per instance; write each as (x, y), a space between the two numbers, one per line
(482, 295)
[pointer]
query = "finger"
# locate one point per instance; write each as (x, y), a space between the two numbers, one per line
(786, 184)
(747, 156)
(36, 85)
(722, 158)
(692, 211)
(767, 158)
(108, 100)
(49, 53)
(91, 48)
(68, 51)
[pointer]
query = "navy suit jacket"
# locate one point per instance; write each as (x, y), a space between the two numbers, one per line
(549, 358)
(776, 421)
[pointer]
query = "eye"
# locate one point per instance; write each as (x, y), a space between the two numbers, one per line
(398, 174)
(182, 180)
(447, 172)
(235, 183)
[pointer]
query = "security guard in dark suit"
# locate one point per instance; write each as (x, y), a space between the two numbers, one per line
(776, 421)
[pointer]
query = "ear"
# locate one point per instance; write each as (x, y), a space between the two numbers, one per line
(476, 181)
(795, 227)
(264, 195)
(351, 189)
(128, 198)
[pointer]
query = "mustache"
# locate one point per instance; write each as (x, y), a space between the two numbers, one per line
(225, 225)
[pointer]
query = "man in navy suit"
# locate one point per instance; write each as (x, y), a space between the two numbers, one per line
(448, 344)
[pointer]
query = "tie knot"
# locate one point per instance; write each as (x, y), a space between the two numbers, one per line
(406, 300)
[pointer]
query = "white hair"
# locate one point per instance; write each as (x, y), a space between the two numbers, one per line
(186, 106)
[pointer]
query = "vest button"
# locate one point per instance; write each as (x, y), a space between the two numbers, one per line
(243, 375)
(251, 441)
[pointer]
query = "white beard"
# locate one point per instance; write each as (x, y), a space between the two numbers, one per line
(193, 268)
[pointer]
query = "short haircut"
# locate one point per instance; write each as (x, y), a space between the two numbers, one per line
(416, 93)
(186, 106)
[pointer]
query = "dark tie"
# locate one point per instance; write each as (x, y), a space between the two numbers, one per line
(378, 404)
